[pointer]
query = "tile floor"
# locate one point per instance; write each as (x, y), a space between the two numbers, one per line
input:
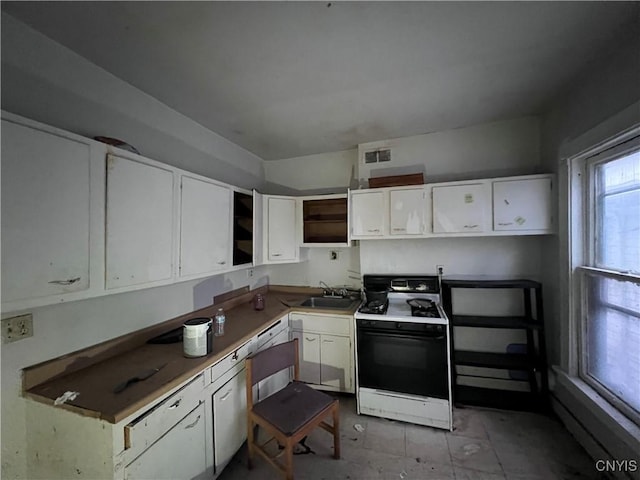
(485, 444)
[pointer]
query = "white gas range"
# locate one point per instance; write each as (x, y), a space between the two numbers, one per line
(402, 351)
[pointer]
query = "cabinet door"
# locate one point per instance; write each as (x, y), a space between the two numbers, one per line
(229, 418)
(205, 216)
(336, 366)
(460, 208)
(140, 219)
(282, 243)
(520, 205)
(45, 213)
(178, 454)
(309, 352)
(407, 211)
(368, 214)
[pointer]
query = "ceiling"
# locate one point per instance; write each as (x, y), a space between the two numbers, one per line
(287, 79)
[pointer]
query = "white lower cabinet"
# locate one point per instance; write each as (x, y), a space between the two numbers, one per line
(229, 419)
(309, 352)
(180, 453)
(325, 345)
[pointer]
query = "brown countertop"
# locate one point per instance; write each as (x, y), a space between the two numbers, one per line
(94, 372)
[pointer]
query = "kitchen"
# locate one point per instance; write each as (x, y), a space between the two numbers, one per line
(85, 99)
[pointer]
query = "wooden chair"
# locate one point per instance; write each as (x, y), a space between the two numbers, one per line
(290, 414)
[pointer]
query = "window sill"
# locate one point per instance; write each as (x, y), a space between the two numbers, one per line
(624, 429)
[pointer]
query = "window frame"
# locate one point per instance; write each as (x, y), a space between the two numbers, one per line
(585, 263)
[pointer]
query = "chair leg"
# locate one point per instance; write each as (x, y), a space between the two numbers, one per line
(336, 432)
(250, 444)
(288, 453)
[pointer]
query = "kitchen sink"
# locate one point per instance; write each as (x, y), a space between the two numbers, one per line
(330, 302)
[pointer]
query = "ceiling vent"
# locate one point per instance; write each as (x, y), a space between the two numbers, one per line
(377, 156)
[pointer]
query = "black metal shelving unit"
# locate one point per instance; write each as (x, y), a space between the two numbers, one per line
(533, 361)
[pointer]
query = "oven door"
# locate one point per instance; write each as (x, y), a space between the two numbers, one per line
(403, 357)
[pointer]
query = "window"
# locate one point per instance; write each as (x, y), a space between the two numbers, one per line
(610, 274)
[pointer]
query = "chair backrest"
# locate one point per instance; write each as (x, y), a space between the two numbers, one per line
(267, 362)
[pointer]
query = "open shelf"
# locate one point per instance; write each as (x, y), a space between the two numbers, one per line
(498, 398)
(242, 228)
(325, 220)
(493, 322)
(504, 361)
(532, 363)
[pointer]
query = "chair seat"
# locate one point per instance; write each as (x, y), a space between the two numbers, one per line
(291, 408)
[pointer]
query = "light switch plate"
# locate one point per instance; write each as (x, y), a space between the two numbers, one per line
(17, 328)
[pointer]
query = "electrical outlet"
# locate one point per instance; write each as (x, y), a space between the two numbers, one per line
(17, 328)
(250, 273)
(333, 255)
(440, 269)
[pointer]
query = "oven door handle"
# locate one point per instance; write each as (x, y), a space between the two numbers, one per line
(399, 333)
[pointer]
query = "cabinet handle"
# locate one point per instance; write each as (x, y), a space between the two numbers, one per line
(276, 254)
(191, 425)
(70, 281)
(310, 339)
(399, 229)
(471, 226)
(222, 263)
(505, 223)
(327, 341)
(226, 395)
(373, 230)
(176, 404)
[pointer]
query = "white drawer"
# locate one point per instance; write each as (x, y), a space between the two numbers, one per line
(235, 358)
(155, 422)
(272, 332)
(336, 324)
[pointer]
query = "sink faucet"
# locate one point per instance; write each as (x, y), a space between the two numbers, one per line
(330, 290)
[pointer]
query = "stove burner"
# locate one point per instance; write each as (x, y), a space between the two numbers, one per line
(375, 306)
(421, 307)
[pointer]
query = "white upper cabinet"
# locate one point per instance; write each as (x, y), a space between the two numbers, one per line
(523, 205)
(205, 227)
(369, 212)
(461, 208)
(46, 206)
(407, 209)
(140, 222)
(281, 233)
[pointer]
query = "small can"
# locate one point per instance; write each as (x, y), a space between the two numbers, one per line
(197, 337)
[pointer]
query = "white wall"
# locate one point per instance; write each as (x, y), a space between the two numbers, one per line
(504, 257)
(310, 175)
(313, 173)
(44, 81)
(508, 147)
(337, 273)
